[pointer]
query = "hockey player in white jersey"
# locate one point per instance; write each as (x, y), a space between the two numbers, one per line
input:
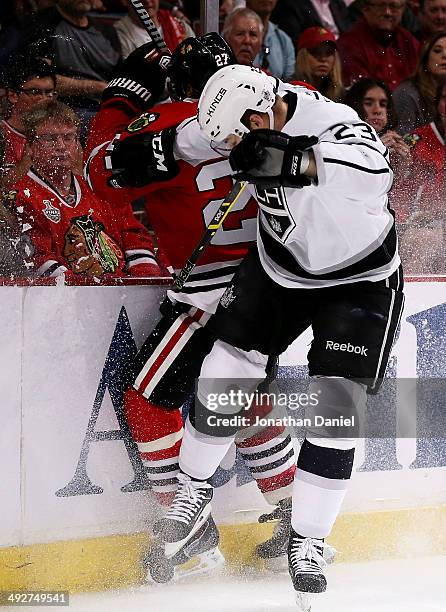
(326, 257)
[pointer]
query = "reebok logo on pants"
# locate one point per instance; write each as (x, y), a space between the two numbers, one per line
(346, 348)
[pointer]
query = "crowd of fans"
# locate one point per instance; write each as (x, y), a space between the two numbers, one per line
(385, 58)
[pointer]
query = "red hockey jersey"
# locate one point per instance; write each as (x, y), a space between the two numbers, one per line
(15, 143)
(78, 236)
(180, 209)
(423, 189)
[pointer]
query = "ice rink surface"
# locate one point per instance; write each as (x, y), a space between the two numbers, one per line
(378, 586)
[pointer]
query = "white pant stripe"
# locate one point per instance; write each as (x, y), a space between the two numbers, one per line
(160, 443)
(158, 350)
(170, 358)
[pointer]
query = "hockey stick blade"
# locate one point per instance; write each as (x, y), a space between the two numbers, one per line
(216, 222)
(149, 24)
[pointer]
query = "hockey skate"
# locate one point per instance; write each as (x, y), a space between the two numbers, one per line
(305, 564)
(274, 550)
(199, 555)
(189, 511)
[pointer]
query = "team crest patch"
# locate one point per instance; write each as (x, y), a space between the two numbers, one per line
(275, 224)
(228, 297)
(51, 212)
(143, 121)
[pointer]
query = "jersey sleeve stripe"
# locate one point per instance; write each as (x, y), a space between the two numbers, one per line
(340, 162)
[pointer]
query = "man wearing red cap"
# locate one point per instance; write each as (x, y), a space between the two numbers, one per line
(377, 46)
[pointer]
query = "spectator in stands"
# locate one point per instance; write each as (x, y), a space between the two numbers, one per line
(132, 35)
(414, 99)
(377, 46)
(432, 18)
(296, 16)
(277, 54)
(84, 53)
(318, 62)
(14, 248)
(73, 232)
(372, 100)
(243, 31)
(29, 82)
(420, 206)
(409, 20)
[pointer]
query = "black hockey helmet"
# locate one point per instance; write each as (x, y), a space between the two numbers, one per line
(194, 61)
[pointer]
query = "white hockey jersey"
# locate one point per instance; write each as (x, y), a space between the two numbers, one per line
(340, 229)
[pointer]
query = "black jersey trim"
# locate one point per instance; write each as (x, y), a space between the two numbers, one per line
(203, 288)
(340, 162)
(291, 99)
(218, 272)
(378, 258)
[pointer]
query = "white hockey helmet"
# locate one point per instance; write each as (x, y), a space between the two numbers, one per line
(228, 94)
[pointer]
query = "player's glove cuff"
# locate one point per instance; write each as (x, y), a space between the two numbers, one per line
(141, 159)
(272, 159)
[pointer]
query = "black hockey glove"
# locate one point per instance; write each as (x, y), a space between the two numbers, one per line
(271, 159)
(141, 78)
(140, 159)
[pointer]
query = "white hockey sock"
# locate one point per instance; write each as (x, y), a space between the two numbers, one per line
(200, 455)
(315, 505)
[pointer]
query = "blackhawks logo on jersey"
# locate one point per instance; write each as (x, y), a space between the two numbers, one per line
(142, 122)
(89, 250)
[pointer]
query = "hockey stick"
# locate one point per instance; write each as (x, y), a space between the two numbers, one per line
(229, 200)
(214, 225)
(149, 25)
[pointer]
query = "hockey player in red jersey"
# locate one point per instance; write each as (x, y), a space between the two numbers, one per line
(73, 232)
(160, 155)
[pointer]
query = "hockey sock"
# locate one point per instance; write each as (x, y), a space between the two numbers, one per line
(320, 484)
(158, 433)
(269, 456)
(201, 455)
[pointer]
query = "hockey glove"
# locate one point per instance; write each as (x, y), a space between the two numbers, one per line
(272, 159)
(139, 159)
(141, 78)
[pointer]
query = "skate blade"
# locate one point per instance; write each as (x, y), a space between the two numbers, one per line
(304, 601)
(204, 563)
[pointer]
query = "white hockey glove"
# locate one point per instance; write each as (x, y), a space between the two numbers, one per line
(272, 159)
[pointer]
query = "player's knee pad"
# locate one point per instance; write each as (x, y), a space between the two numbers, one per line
(336, 416)
(228, 368)
(228, 380)
(226, 361)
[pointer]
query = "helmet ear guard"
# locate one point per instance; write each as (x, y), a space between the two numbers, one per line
(194, 61)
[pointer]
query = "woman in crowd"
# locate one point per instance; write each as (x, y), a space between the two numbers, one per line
(421, 204)
(318, 62)
(414, 98)
(372, 100)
